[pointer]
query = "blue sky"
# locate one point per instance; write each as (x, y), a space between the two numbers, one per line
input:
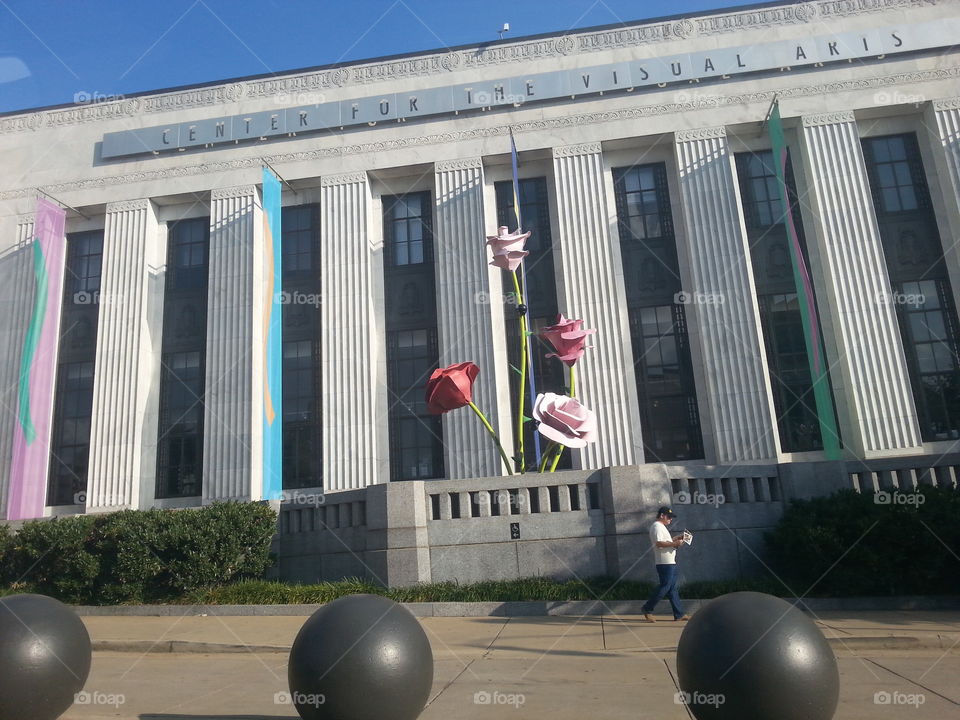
(52, 51)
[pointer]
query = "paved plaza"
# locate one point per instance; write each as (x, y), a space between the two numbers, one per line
(892, 665)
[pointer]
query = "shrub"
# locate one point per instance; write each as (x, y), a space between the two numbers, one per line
(848, 544)
(140, 556)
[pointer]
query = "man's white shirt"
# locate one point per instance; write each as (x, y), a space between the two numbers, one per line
(662, 556)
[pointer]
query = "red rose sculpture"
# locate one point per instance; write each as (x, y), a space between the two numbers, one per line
(568, 339)
(451, 387)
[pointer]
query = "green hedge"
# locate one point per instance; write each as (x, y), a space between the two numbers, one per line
(136, 556)
(848, 544)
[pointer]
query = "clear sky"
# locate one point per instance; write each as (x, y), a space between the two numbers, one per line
(53, 51)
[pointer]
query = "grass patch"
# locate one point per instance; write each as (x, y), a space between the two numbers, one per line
(265, 592)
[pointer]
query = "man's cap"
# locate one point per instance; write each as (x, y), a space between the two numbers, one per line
(666, 511)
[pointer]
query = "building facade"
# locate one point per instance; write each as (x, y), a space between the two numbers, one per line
(647, 178)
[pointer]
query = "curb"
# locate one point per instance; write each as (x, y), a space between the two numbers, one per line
(185, 646)
(521, 609)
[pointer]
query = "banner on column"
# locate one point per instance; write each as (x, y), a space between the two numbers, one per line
(808, 308)
(38, 367)
(272, 348)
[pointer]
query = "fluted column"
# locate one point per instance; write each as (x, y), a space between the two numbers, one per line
(124, 377)
(872, 388)
(16, 300)
(737, 385)
(231, 450)
(349, 374)
(591, 287)
(465, 324)
(943, 124)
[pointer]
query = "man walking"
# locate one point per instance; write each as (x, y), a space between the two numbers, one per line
(665, 551)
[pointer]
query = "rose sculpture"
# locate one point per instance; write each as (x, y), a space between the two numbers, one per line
(561, 419)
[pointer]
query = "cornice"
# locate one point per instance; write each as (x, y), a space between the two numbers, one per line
(709, 133)
(828, 118)
(578, 149)
(560, 122)
(343, 179)
(311, 84)
(460, 164)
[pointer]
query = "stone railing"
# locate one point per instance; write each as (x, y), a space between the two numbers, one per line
(904, 474)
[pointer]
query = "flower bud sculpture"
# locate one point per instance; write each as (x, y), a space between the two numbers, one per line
(568, 339)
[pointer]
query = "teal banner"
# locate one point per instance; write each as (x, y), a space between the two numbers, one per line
(272, 348)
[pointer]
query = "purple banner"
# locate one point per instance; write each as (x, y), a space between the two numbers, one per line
(38, 368)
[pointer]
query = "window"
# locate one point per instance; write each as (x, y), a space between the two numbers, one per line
(182, 382)
(920, 287)
(780, 319)
(73, 407)
(658, 329)
(302, 430)
(540, 296)
(416, 437)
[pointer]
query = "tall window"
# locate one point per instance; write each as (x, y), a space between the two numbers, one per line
(540, 296)
(182, 382)
(780, 319)
(70, 446)
(416, 437)
(302, 464)
(921, 291)
(658, 325)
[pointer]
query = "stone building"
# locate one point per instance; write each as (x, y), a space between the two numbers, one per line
(647, 179)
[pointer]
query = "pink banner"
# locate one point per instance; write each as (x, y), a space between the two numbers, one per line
(38, 368)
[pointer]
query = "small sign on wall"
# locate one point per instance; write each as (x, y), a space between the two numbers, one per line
(514, 531)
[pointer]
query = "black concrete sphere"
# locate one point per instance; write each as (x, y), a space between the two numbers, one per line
(751, 655)
(44, 657)
(362, 657)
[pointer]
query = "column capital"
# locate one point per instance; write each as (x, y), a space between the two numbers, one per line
(26, 219)
(833, 118)
(126, 205)
(233, 192)
(343, 179)
(947, 104)
(579, 149)
(459, 164)
(708, 133)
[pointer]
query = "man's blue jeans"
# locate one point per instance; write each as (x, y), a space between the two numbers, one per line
(669, 585)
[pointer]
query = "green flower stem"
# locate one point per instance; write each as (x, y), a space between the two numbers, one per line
(573, 382)
(556, 460)
(493, 434)
(521, 459)
(546, 455)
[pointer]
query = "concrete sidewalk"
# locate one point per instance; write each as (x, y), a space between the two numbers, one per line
(556, 667)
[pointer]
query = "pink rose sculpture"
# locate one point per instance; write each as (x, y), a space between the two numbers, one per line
(565, 420)
(507, 248)
(568, 339)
